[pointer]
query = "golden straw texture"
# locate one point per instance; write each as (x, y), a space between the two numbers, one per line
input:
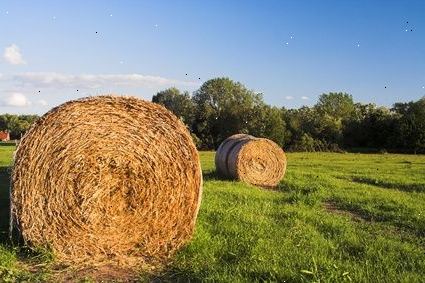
(256, 161)
(107, 178)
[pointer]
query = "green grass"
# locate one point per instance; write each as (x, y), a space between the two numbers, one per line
(334, 218)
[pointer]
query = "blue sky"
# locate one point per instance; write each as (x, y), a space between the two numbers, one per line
(292, 51)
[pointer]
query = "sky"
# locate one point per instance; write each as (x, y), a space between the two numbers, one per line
(291, 51)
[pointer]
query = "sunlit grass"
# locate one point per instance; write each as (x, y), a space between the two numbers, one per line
(335, 217)
(374, 231)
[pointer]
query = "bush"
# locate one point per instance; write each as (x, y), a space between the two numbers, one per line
(309, 144)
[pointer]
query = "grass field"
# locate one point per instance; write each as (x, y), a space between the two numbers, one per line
(334, 218)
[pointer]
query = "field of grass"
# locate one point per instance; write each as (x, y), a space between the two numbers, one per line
(334, 218)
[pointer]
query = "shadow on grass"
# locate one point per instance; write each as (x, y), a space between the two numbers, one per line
(4, 204)
(387, 185)
(213, 176)
(23, 251)
(380, 212)
(293, 193)
(175, 275)
(7, 144)
(179, 275)
(333, 207)
(5, 210)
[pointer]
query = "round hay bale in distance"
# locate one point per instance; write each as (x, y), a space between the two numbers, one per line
(256, 161)
(107, 178)
(223, 150)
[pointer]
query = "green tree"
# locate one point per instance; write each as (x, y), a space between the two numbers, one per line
(223, 108)
(268, 122)
(179, 103)
(338, 105)
(334, 110)
(308, 129)
(370, 126)
(410, 126)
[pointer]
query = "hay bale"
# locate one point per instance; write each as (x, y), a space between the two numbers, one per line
(107, 178)
(256, 161)
(223, 150)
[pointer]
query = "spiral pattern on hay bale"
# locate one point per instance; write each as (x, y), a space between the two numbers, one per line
(107, 178)
(257, 161)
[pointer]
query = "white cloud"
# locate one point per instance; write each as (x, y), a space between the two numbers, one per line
(289, 97)
(59, 80)
(16, 99)
(42, 102)
(13, 55)
(305, 98)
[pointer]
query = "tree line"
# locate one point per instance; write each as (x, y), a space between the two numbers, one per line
(17, 125)
(222, 107)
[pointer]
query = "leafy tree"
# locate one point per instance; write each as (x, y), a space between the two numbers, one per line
(308, 143)
(334, 110)
(337, 105)
(223, 108)
(268, 122)
(179, 103)
(410, 126)
(311, 129)
(370, 126)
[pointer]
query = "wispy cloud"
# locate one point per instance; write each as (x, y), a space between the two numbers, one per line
(42, 102)
(289, 97)
(12, 55)
(60, 80)
(16, 99)
(305, 98)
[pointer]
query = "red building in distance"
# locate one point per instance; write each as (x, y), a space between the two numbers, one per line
(4, 136)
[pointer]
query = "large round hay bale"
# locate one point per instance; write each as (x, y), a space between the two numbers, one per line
(107, 178)
(256, 161)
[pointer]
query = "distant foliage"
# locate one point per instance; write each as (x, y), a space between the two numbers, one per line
(178, 103)
(17, 125)
(222, 107)
(410, 126)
